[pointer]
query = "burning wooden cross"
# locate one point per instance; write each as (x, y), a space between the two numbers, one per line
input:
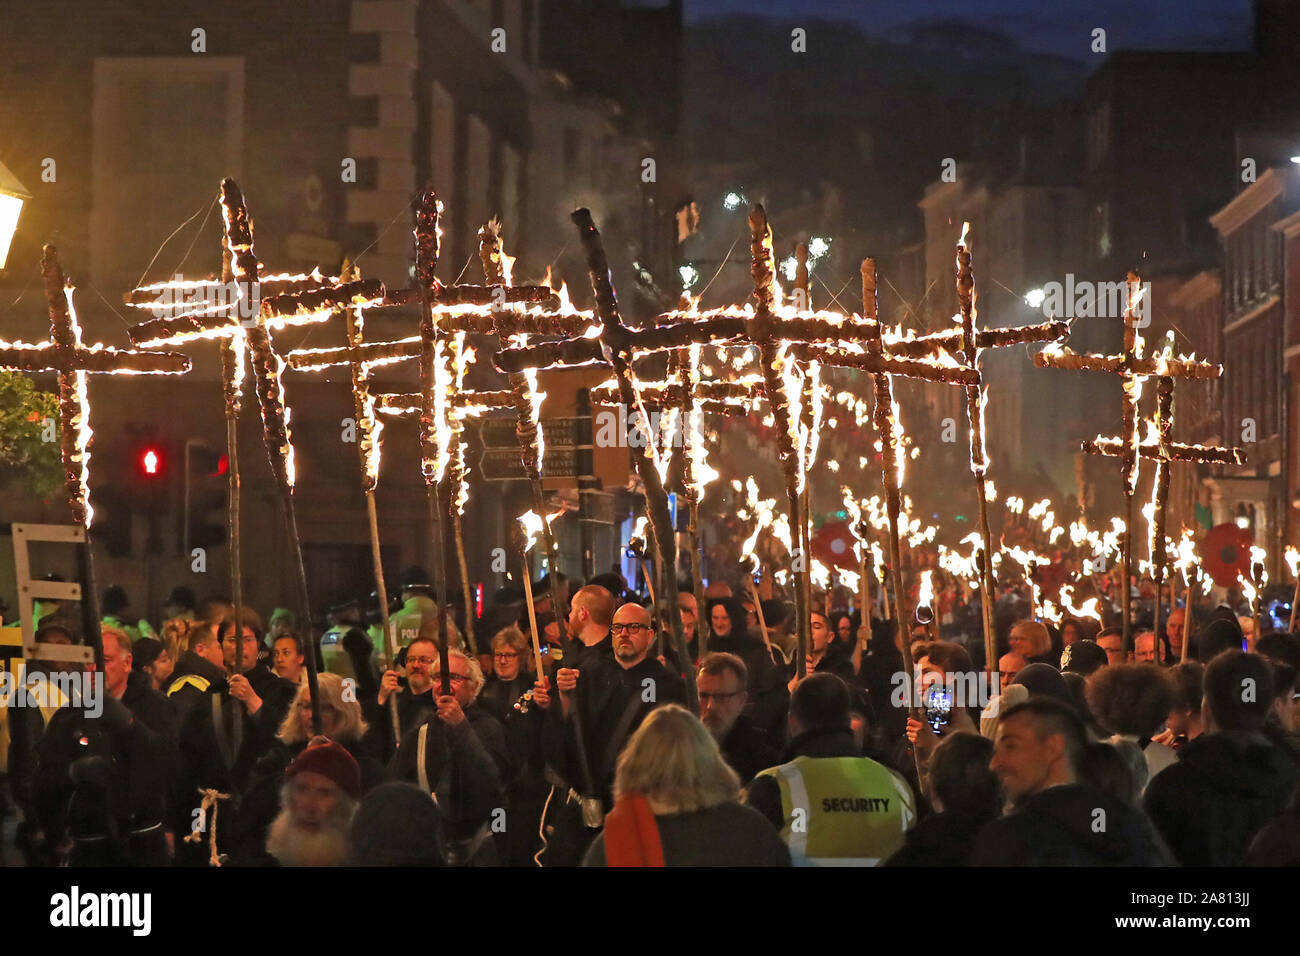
(244, 309)
(1158, 445)
(775, 330)
(1133, 370)
(870, 354)
(65, 355)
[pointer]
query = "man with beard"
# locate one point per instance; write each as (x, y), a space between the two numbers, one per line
(587, 626)
(601, 704)
(321, 790)
(721, 680)
(460, 756)
(416, 702)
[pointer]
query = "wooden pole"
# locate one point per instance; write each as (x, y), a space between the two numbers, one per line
(426, 262)
(532, 615)
(266, 369)
(232, 373)
(382, 591)
(758, 609)
(966, 297)
(1193, 579)
(617, 353)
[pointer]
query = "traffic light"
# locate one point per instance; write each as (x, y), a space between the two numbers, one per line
(206, 495)
(151, 463)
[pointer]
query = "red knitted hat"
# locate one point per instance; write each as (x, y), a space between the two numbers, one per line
(330, 761)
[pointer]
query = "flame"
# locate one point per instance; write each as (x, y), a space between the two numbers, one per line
(702, 473)
(507, 268)
(531, 522)
(925, 595)
(1292, 557)
(535, 398)
(637, 540)
(820, 575)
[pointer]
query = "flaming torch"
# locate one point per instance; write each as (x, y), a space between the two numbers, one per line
(1293, 565)
(532, 526)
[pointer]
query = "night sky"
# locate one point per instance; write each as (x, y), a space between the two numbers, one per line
(1044, 26)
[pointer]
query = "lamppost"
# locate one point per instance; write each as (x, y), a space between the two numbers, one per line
(12, 197)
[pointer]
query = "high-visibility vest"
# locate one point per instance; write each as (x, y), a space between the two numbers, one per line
(842, 811)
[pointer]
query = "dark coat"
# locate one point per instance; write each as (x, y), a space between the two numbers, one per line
(1060, 826)
(1224, 788)
(605, 692)
(729, 834)
(467, 766)
(747, 751)
(260, 803)
(102, 781)
(941, 839)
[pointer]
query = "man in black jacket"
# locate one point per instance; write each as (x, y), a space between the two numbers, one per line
(416, 702)
(587, 627)
(462, 758)
(225, 724)
(1231, 780)
(721, 680)
(1058, 820)
(601, 704)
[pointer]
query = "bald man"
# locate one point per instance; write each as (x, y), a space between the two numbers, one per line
(607, 698)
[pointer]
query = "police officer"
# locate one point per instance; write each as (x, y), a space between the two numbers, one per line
(832, 807)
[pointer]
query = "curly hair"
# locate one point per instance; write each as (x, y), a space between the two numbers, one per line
(1131, 699)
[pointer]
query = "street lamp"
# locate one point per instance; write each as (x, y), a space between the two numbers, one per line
(12, 197)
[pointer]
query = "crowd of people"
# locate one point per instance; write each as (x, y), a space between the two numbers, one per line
(210, 747)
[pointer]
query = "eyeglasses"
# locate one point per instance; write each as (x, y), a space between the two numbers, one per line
(426, 661)
(455, 678)
(705, 698)
(631, 628)
(505, 655)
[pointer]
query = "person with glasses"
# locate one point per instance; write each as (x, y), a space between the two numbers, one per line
(721, 680)
(606, 699)
(416, 702)
(460, 756)
(512, 675)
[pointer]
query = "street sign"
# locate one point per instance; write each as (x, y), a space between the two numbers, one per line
(498, 432)
(504, 464)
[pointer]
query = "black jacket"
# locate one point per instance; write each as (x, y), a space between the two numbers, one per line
(747, 751)
(577, 654)
(769, 698)
(102, 781)
(941, 839)
(610, 704)
(260, 803)
(1063, 826)
(729, 834)
(466, 765)
(1224, 788)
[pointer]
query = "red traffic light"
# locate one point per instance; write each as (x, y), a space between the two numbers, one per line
(150, 461)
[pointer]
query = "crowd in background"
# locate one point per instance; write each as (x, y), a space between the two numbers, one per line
(1075, 749)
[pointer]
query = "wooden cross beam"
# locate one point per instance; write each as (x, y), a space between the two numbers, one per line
(1158, 446)
(1133, 369)
(772, 328)
(73, 363)
(65, 354)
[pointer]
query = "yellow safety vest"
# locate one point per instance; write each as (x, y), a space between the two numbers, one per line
(842, 811)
